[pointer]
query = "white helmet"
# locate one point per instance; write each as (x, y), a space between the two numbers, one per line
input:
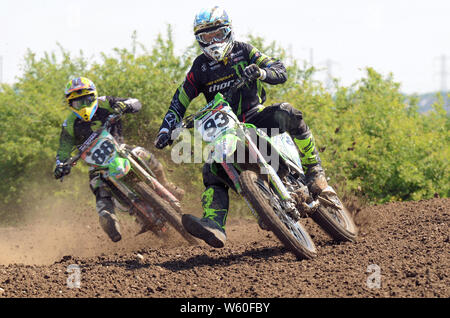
(213, 31)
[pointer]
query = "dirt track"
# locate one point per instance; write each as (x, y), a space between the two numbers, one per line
(409, 242)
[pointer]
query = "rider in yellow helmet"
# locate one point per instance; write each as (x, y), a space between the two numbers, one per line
(90, 112)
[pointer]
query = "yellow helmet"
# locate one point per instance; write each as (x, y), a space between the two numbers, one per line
(82, 98)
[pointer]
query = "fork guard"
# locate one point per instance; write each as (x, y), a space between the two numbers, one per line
(327, 197)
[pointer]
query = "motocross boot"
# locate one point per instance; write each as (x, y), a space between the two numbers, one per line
(314, 173)
(210, 228)
(110, 224)
(215, 203)
(158, 170)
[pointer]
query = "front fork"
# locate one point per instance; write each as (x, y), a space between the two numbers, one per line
(145, 215)
(148, 177)
(287, 202)
(295, 208)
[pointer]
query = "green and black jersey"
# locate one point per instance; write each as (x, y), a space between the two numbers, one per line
(211, 77)
(75, 131)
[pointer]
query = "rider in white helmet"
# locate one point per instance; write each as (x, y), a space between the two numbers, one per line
(223, 61)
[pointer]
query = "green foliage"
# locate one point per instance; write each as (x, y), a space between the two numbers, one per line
(383, 147)
(371, 137)
(30, 120)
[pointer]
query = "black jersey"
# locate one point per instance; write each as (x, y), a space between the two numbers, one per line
(75, 131)
(211, 77)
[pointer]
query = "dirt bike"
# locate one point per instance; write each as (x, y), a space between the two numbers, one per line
(278, 199)
(132, 182)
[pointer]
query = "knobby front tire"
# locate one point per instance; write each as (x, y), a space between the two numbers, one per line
(337, 222)
(292, 234)
(164, 208)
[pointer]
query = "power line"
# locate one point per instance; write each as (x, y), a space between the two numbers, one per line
(1, 69)
(443, 73)
(329, 67)
(310, 59)
(311, 56)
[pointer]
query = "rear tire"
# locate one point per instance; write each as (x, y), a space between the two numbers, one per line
(296, 238)
(164, 208)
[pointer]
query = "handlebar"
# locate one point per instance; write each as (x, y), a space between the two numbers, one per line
(188, 122)
(238, 84)
(109, 121)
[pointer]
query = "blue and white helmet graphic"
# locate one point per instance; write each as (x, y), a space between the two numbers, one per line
(213, 31)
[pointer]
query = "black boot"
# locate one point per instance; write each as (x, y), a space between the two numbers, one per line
(210, 228)
(110, 224)
(316, 179)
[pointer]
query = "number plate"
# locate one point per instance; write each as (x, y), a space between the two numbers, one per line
(101, 152)
(216, 122)
(286, 146)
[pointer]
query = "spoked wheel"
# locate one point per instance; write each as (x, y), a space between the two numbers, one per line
(163, 207)
(290, 232)
(334, 218)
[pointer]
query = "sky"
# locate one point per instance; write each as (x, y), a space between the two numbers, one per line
(404, 37)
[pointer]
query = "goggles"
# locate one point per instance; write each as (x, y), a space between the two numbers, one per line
(218, 35)
(83, 101)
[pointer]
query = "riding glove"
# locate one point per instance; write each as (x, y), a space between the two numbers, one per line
(61, 170)
(163, 139)
(121, 107)
(254, 72)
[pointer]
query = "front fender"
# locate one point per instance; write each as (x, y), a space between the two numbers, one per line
(119, 167)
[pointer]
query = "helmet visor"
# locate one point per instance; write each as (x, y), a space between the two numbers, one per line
(83, 101)
(217, 35)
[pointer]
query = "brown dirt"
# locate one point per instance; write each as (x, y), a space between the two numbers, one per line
(409, 242)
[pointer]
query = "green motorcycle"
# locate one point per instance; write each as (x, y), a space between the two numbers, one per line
(278, 199)
(132, 182)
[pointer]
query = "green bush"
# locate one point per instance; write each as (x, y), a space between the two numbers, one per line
(371, 137)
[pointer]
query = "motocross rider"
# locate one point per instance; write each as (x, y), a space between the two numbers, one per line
(223, 60)
(90, 112)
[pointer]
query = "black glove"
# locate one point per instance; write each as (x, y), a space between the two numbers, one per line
(61, 170)
(163, 139)
(253, 72)
(120, 107)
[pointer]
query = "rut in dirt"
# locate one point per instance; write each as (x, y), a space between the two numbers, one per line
(407, 242)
